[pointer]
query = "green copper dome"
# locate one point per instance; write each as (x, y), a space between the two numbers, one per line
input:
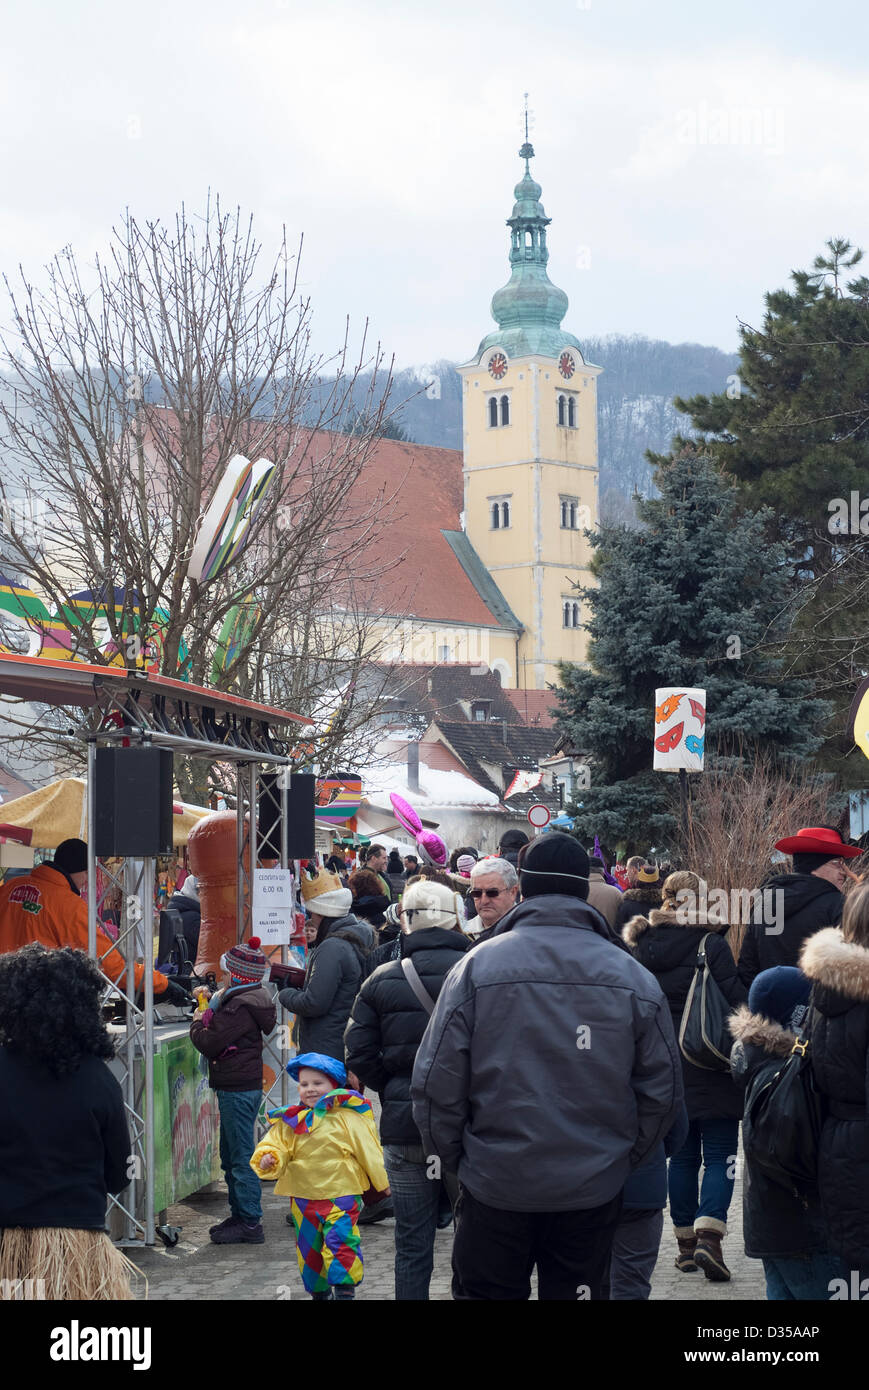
(529, 309)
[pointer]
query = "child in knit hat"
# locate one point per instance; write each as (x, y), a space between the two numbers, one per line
(230, 1034)
(326, 1157)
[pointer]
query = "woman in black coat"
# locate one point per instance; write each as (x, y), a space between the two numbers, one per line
(322, 996)
(382, 1040)
(836, 960)
(666, 943)
(785, 1229)
(64, 1141)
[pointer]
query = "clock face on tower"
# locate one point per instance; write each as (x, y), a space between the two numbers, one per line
(566, 365)
(498, 366)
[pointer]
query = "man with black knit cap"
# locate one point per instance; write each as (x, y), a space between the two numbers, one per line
(794, 906)
(548, 1071)
(46, 906)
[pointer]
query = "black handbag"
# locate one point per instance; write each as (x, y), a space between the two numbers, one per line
(704, 1038)
(784, 1114)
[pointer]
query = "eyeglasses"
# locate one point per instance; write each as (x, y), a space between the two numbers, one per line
(487, 892)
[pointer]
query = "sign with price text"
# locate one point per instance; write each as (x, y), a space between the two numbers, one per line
(273, 906)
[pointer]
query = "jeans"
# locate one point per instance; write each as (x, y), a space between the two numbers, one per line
(238, 1112)
(415, 1200)
(495, 1251)
(802, 1279)
(718, 1139)
(635, 1254)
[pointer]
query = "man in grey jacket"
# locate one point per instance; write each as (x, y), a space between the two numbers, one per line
(548, 1071)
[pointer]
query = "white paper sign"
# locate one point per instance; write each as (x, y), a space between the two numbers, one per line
(273, 906)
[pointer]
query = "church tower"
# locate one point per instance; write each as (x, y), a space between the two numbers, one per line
(529, 405)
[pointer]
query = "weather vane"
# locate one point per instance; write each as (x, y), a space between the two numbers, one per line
(527, 149)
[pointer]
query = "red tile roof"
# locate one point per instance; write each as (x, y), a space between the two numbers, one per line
(534, 706)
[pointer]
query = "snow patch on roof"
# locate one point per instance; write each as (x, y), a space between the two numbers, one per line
(438, 787)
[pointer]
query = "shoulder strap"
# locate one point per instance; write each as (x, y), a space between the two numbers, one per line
(416, 984)
(701, 950)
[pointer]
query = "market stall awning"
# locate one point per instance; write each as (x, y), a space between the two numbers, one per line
(59, 812)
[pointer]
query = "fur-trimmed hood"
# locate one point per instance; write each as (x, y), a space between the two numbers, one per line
(648, 893)
(839, 965)
(634, 929)
(753, 1030)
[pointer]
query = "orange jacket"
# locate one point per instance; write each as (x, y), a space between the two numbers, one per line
(42, 907)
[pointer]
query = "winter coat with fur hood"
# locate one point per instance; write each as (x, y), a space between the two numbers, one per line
(839, 1029)
(775, 1223)
(642, 900)
(668, 948)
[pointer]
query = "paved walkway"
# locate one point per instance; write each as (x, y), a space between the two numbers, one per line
(196, 1269)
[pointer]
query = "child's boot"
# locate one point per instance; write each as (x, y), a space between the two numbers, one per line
(345, 1292)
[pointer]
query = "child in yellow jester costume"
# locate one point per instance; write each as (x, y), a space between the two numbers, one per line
(325, 1155)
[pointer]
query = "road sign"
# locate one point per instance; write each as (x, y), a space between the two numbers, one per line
(539, 815)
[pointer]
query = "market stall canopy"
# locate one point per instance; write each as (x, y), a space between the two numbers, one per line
(59, 812)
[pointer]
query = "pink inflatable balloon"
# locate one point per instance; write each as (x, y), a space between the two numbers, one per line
(432, 848)
(405, 813)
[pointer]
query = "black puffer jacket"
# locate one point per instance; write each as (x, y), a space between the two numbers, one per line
(669, 949)
(636, 902)
(388, 1022)
(775, 1222)
(839, 1028)
(332, 979)
(808, 902)
(231, 1037)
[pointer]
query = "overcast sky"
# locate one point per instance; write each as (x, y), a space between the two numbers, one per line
(690, 154)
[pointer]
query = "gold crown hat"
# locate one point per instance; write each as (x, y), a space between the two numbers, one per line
(326, 895)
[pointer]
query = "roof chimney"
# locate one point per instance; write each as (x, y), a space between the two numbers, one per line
(413, 765)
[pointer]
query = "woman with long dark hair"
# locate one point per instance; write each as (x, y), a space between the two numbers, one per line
(64, 1141)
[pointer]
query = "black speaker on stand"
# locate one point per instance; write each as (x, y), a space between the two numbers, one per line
(300, 816)
(132, 802)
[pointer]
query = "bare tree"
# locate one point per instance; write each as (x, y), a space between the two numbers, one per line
(127, 391)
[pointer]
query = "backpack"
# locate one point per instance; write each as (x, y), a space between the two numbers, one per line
(784, 1114)
(704, 1038)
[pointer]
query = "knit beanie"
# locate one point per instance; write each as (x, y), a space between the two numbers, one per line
(781, 993)
(428, 904)
(465, 864)
(189, 889)
(326, 895)
(554, 864)
(246, 962)
(71, 857)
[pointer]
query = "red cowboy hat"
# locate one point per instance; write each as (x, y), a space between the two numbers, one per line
(817, 839)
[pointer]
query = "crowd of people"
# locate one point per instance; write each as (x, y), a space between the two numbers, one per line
(523, 1018)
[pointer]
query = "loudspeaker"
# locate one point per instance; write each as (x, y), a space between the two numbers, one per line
(133, 802)
(300, 817)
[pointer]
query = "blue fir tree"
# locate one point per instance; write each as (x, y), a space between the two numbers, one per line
(693, 597)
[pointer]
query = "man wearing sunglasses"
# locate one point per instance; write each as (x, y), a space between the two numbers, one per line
(494, 890)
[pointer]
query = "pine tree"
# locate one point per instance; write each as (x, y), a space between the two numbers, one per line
(792, 430)
(689, 598)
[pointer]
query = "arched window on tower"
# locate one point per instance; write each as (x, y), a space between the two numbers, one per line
(493, 412)
(565, 614)
(561, 413)
(575, 614)
(505, 410)
(571, 412)
(564, 514)
(573, 516)
(505, 513)
(570, 613)
(496, 516)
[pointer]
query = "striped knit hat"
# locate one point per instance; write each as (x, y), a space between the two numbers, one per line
(246, 962)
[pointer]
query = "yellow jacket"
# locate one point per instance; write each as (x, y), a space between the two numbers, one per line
(331, 1150)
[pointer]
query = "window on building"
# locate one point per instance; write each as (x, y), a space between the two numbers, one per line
(493, 412)
(499, 511)
(480, 711)
(505, 514)
(569, 612)
(505, 410)
(496, 515)
(567, 410)
(570, 514)
(443, 653)
(498, 410)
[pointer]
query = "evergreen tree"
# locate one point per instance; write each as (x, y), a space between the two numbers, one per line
(689, 598)
(792, 429)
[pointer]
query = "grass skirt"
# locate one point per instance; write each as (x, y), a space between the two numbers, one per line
(59, 1263)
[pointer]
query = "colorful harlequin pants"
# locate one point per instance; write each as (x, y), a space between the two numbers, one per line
(328, 1243)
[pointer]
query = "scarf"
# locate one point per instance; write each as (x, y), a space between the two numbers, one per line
(302, 1119)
